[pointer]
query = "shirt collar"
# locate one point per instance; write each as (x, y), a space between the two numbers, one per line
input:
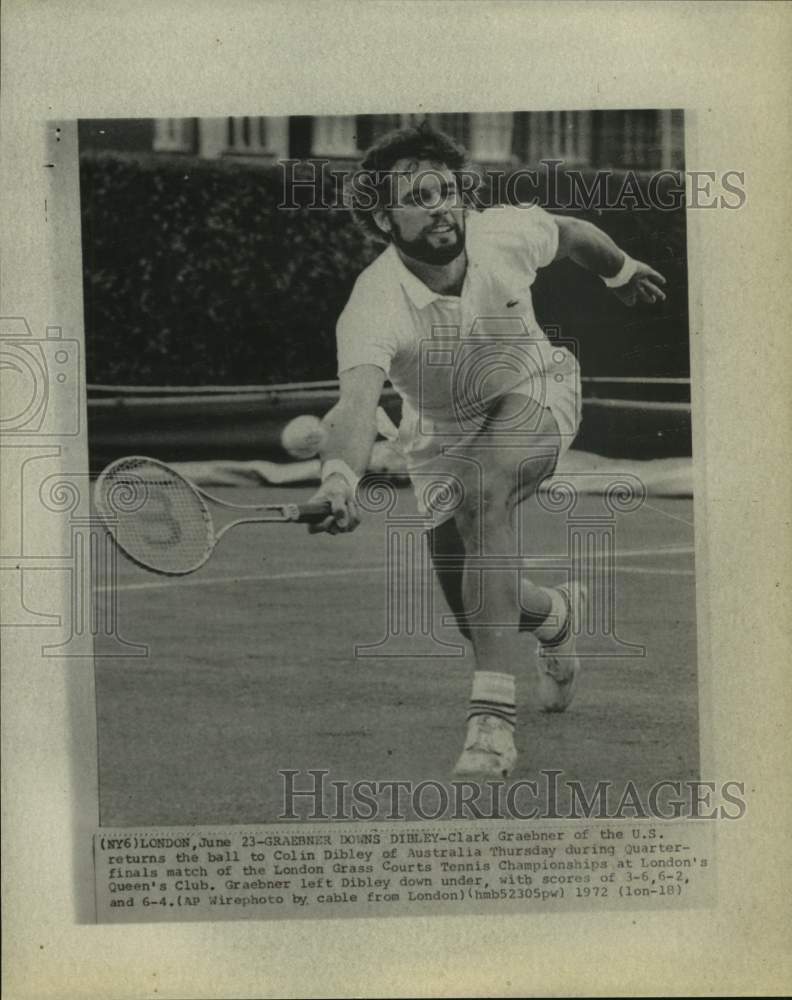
(420, 294)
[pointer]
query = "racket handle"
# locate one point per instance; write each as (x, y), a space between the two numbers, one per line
(311, 513)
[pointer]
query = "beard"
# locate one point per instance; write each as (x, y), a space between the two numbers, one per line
(421, 248)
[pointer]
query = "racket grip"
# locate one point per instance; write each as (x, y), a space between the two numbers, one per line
(312, 513)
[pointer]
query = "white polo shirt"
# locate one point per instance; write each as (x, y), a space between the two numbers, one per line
(450, 357)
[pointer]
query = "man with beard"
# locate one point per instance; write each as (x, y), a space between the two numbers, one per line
(485, 415)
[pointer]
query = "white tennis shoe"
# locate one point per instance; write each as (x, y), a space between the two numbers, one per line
(489, 751)
(558, 665)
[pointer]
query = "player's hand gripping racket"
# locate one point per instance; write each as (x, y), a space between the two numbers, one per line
(161, 520)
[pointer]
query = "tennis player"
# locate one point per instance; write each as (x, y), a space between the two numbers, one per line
(484, 419)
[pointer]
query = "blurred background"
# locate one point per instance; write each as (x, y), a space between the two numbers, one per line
(210, 311)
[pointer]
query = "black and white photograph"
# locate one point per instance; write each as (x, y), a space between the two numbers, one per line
(457, 345)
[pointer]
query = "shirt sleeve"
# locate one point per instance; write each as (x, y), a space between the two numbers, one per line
(361, 336)
(540, 236)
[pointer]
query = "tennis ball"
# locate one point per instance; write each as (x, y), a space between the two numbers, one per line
(303, 437)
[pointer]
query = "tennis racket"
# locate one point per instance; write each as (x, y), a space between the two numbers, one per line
(161, 520)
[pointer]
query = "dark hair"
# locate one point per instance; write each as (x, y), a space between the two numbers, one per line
(420, 142)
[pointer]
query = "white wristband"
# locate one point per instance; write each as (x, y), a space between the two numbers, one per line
(625, 273)
(338, 465)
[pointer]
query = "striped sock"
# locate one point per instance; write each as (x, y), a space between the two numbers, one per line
(493, 694)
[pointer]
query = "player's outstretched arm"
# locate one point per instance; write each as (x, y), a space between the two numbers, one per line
(350, 428)
(593, 249)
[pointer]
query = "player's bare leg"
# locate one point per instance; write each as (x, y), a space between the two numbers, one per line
(485, 525)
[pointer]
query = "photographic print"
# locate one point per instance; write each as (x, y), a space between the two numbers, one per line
(465, 335)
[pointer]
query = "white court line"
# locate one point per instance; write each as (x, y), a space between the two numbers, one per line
(668, 550)
(672, 517)
(209, 581)
(659, 571)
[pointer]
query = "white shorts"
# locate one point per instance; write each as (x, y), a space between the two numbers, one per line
(436, 472)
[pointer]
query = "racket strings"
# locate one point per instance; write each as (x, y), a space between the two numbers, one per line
(156, 516)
